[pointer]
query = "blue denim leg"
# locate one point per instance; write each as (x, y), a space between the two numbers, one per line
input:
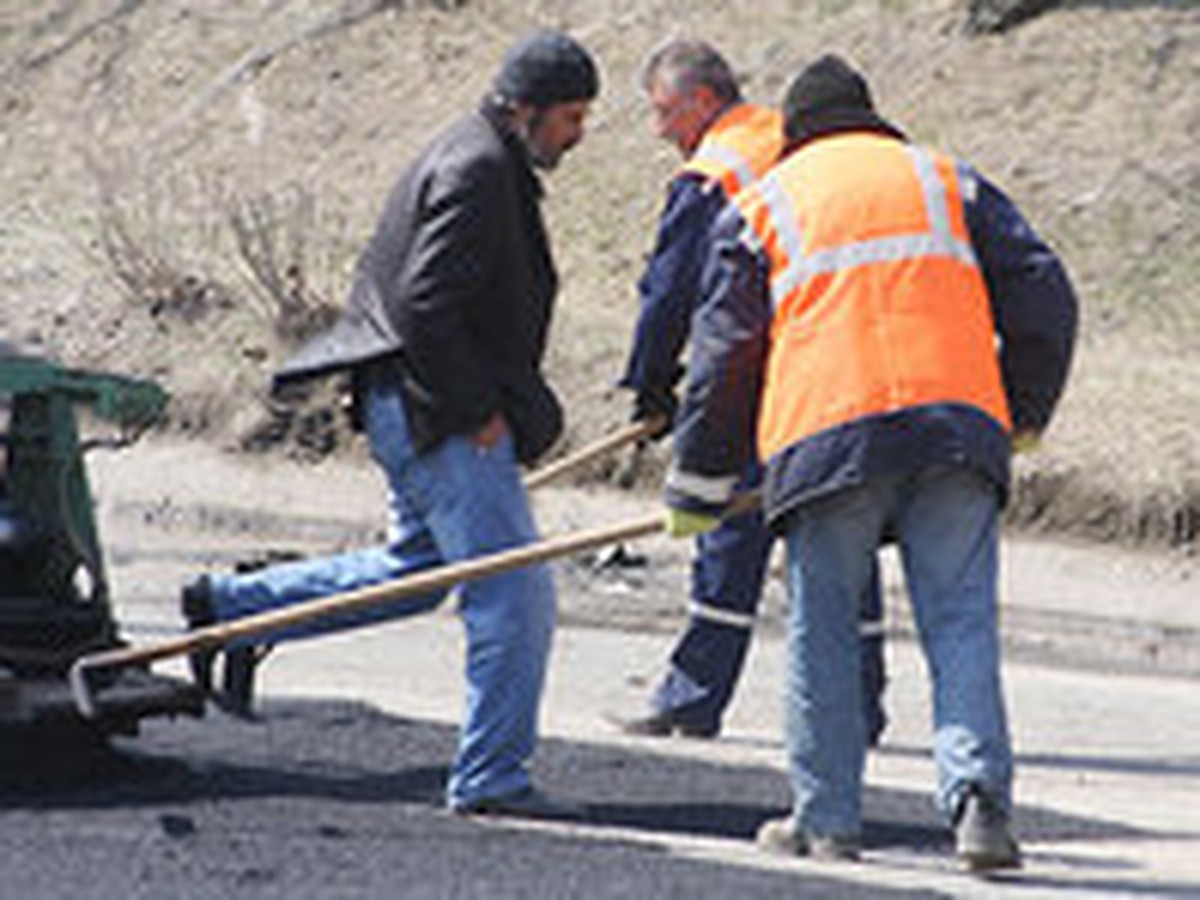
(479, 506)
(831, 562)
(946, 520)
(410, 551)
(410, 548)
(949, 541)
(452, 503)
(474, 503)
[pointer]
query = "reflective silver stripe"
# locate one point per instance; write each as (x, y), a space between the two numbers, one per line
(939, 241)
(706, 488)
(938, 208)
(871, 629)
(934, 191)
(968, 182)
(786, 225)
(721, 616)
(730, 159)
(889, 249)
(750, 239)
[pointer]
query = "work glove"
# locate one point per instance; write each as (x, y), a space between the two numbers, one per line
(682, 523)
(652, 403)
(1026, 441)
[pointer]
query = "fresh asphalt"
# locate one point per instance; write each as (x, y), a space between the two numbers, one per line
(336, 799)
(337, 791)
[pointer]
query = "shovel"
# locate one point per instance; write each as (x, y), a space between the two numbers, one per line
(84, 669)
(419, 583)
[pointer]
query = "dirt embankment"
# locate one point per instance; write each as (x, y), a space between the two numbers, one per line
(186, 187)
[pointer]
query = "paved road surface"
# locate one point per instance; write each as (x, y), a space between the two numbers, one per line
(337, 791)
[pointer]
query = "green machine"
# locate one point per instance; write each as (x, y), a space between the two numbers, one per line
(54, 592)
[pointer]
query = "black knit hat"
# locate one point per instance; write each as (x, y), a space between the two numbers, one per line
(545, 68)
(829, 97)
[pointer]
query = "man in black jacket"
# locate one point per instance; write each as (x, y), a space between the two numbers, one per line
(443, 334)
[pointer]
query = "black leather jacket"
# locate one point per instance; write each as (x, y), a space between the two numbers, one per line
(453, 295)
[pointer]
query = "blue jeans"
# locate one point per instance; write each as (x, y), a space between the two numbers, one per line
(452, 503)
(946, 522)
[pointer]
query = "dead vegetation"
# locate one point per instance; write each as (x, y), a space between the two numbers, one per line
(239, 264)
(246, 149)
(279, 242)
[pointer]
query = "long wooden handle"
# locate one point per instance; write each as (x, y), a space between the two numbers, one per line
(572, 461)
(439, 578)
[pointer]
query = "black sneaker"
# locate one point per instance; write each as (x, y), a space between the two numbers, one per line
(236, 695)
(664, 724)
(195, 602)
(982, 838)
(527, 803)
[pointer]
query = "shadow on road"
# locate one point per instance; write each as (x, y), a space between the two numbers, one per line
(312, 773)
(354, 754)
(1170, 767)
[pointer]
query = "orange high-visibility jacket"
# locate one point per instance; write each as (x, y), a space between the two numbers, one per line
(738, 148)
(878, 301)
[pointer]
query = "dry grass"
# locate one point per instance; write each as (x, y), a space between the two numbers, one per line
(260, 182)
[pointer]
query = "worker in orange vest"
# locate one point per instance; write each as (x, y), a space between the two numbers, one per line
(885, 327)
(726, 144)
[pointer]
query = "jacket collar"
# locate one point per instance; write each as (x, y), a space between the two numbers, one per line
(842, 121)
(497, 116)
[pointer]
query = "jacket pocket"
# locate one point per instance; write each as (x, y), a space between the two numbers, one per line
(535, 417)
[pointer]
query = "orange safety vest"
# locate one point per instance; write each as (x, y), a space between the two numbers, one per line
(878, 301)
(738, 148)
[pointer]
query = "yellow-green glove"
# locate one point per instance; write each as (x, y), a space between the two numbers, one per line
(1026, 441)
(681, 523)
